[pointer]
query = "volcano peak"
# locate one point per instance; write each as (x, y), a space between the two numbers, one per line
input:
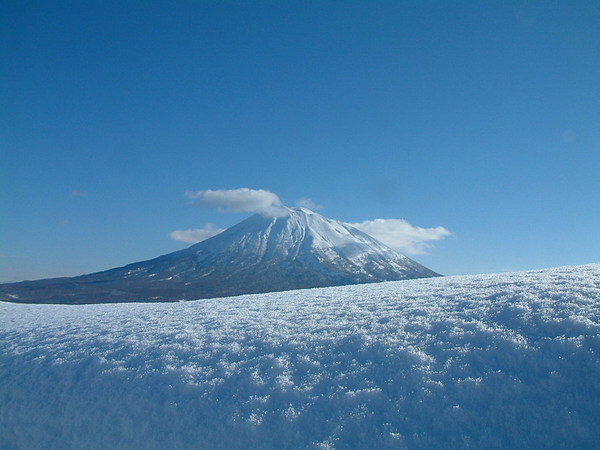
(300, 249)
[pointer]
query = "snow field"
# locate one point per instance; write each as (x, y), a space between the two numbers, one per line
(489, 361)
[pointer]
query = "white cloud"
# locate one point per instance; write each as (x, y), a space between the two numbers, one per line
(308, 203)
(240, 200)
(196, 235)
(401, 235)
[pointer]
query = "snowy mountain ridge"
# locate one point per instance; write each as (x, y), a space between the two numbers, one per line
(299, 234)
(295, 250)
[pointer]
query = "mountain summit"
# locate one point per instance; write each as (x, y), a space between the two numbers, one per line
(299, 249)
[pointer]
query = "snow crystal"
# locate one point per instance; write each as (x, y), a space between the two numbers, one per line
(489, 361)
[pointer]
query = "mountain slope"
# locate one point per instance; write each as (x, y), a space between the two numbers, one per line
(261, 254)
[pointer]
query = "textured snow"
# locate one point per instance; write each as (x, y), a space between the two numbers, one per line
(489, 361)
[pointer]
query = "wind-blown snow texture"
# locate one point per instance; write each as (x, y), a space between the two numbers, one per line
(490, 361)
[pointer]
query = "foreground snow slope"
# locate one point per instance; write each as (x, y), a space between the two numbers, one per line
(490, 361)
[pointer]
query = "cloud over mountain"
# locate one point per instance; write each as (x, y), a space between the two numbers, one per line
(240, 200)
(401, 235)
(308, 203)
(196, 235)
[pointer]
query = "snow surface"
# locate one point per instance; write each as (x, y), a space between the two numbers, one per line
(489, 361)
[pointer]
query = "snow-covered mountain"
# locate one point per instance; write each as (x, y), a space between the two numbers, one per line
(300, 249)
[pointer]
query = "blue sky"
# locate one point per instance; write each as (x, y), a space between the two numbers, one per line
(479, 117)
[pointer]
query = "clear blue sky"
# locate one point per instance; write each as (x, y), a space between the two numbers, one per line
(481, 117)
